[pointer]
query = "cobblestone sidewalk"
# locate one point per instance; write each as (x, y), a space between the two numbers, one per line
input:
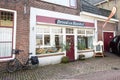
(81, 70)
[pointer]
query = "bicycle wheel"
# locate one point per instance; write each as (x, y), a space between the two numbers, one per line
(28, 65)
(12, 65)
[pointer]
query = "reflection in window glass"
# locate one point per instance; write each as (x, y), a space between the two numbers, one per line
(57, 30)
(53, 49)
(49, 40)
(81, 31)
(115, 39)
(58, 42)
(5, 42)
(73, 3)
(84, 43)
(69, 31)
(39, 39)
(68, 3)
(46, 39)
(89, 31)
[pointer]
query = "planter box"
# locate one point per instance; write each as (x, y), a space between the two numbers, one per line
(87, 53)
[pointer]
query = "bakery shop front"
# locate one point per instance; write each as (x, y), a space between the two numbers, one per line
(55, 35)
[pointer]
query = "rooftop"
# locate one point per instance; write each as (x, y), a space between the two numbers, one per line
(88, 7)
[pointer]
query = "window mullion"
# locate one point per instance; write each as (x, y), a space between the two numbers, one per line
(0, 18)
(43, 40)
(50, 36)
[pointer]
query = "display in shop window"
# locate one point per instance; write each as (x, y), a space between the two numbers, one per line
(84, 42)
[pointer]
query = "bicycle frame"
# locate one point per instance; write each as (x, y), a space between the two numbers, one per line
(15, 64)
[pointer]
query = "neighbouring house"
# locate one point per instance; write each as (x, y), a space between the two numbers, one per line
(51, 29)
(108, 5)
(14, 29)
(110, 30)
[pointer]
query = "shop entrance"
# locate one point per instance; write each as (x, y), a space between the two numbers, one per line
(107, 38)
(70, 43)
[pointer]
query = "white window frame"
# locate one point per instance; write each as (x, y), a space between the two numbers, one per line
(51, 36)
(69, 3)
(14, 34)
(86, 34)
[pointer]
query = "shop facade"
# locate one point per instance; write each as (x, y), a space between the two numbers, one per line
(106, 33)
(52, 34)
(49, 32)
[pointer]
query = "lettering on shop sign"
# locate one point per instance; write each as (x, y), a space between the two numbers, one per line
(69, 22)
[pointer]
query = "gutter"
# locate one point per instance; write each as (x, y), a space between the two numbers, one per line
(98, 16)
(101, 2)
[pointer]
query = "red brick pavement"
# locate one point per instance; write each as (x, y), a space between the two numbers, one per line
(107, 68)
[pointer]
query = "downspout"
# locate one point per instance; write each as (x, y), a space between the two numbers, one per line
(80, 6)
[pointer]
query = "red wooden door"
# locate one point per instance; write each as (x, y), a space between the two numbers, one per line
(107, 38)
(70, 42)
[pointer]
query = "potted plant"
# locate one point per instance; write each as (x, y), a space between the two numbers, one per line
(66, 46)
(64, 59)
(81, 46)
(81, 57)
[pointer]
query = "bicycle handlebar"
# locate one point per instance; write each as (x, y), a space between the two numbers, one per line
(17, 51)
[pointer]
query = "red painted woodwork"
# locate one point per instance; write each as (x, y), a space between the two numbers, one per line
(107, 38)
(70, 52)
(52, 20)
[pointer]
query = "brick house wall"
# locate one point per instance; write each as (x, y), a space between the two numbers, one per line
(23, 18)
(108, 27)
(22, 29)
(54, 7)
(109, 5)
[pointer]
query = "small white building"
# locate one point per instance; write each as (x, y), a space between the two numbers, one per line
(50, 31)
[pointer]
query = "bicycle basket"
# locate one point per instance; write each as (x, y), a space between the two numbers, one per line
(34, 60)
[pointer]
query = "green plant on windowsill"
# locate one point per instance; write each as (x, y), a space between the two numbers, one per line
(66, 46)
(81, 46)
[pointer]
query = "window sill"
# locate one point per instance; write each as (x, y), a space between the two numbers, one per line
(51, 54)
(7, 59)
(82, 51)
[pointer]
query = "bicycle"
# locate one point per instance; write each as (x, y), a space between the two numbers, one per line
(16, 64)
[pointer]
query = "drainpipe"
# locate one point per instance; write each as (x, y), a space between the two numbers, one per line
(80, 5)
(25, 6)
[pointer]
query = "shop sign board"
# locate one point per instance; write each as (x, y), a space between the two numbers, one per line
(69, 22)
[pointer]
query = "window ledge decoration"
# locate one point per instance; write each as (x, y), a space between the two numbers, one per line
(47, 55)
(87, 50)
